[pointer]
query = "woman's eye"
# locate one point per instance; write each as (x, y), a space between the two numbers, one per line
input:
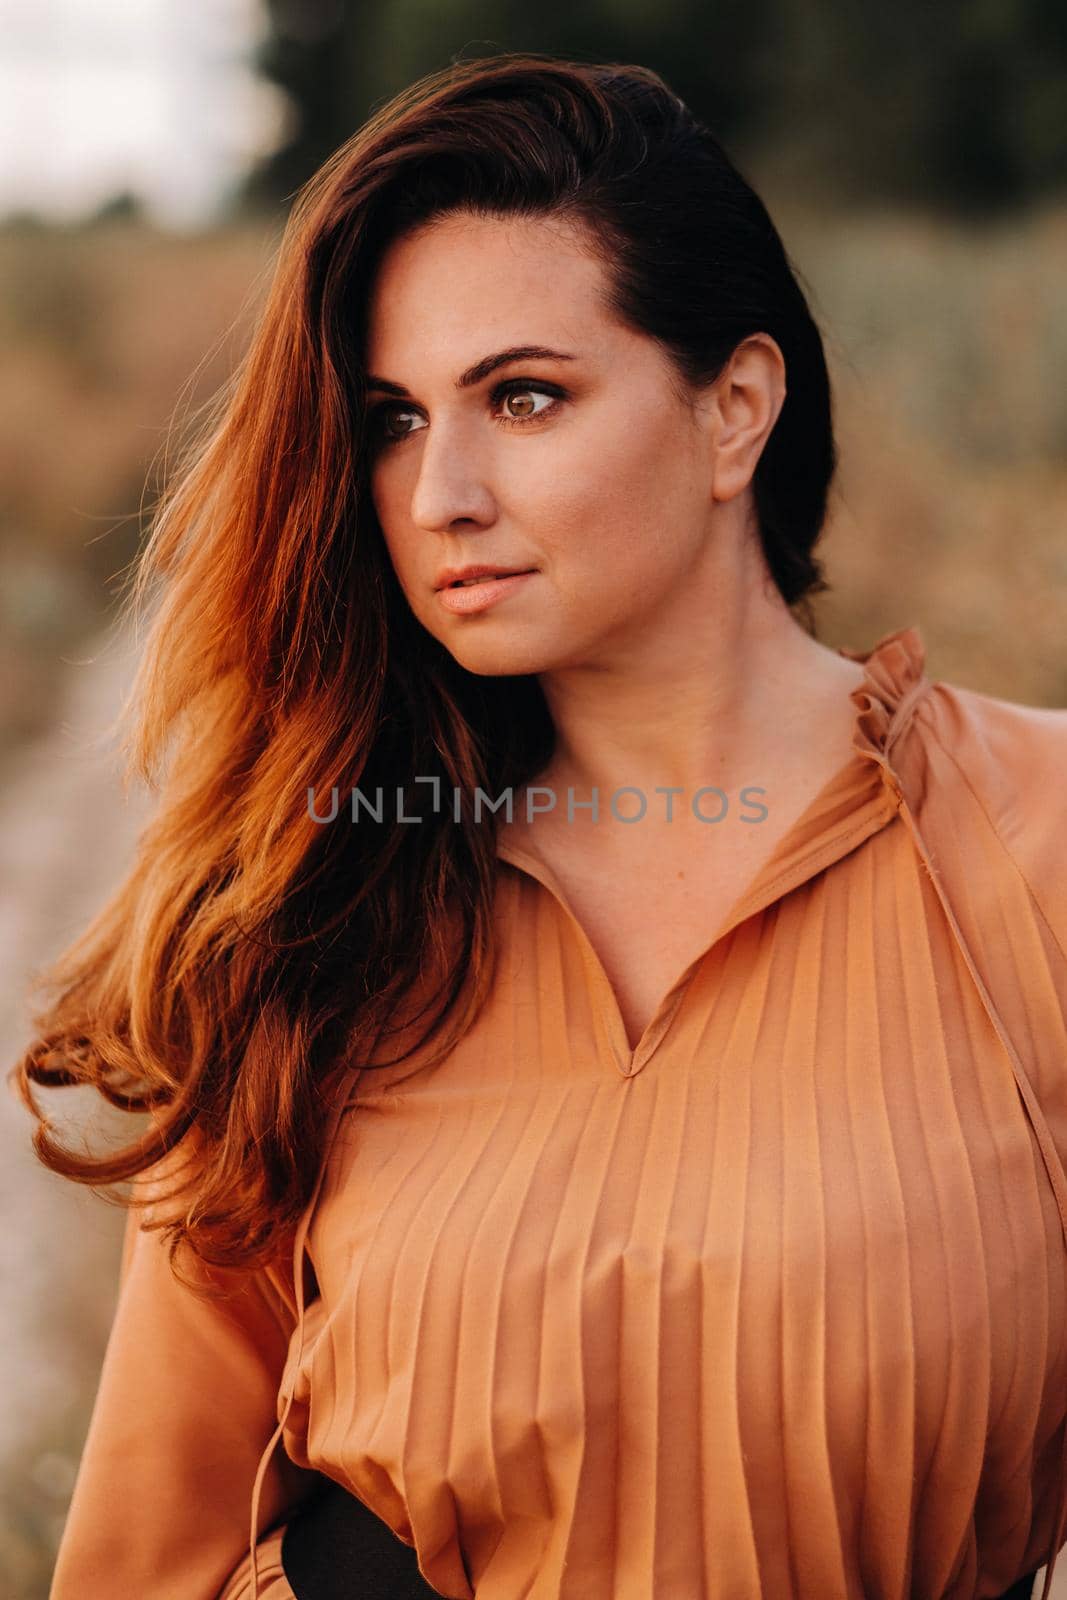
(381, 416)
(523, 394)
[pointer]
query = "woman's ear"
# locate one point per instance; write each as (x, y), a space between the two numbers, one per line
(748, 397)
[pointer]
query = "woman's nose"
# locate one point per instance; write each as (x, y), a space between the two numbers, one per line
(452, 481)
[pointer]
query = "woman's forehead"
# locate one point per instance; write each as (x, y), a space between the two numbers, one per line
(455, 292)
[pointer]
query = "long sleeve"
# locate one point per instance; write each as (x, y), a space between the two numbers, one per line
(185, 1406)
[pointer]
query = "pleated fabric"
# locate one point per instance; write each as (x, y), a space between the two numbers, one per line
(773, 1304)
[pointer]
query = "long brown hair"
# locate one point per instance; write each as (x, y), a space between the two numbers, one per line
(253, 953)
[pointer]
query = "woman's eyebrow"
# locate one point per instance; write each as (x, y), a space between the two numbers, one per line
(480, 370)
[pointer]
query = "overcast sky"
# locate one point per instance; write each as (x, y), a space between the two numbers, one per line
(154, 96)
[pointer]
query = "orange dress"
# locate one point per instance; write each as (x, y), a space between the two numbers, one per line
(774, 1305)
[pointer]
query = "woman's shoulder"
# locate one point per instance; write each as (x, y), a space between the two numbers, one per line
(1014, 755)
(1013, 759)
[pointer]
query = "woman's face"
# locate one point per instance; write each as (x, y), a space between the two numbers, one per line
(583, 466)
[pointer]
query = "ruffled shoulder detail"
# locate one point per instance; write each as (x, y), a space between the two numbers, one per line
(894, 683)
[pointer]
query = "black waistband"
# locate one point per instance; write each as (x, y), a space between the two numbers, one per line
(335, 1547)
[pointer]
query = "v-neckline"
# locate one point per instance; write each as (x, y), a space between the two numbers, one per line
(861, 797)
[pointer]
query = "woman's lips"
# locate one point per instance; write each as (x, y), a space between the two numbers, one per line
(482, 594)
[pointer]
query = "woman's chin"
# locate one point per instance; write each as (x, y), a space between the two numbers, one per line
(500, 658)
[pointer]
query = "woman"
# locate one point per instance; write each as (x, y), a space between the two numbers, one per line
(610, 1045)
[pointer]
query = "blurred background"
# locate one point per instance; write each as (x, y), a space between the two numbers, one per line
(915, 160)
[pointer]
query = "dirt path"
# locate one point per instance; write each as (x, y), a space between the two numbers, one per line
(66, 835)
